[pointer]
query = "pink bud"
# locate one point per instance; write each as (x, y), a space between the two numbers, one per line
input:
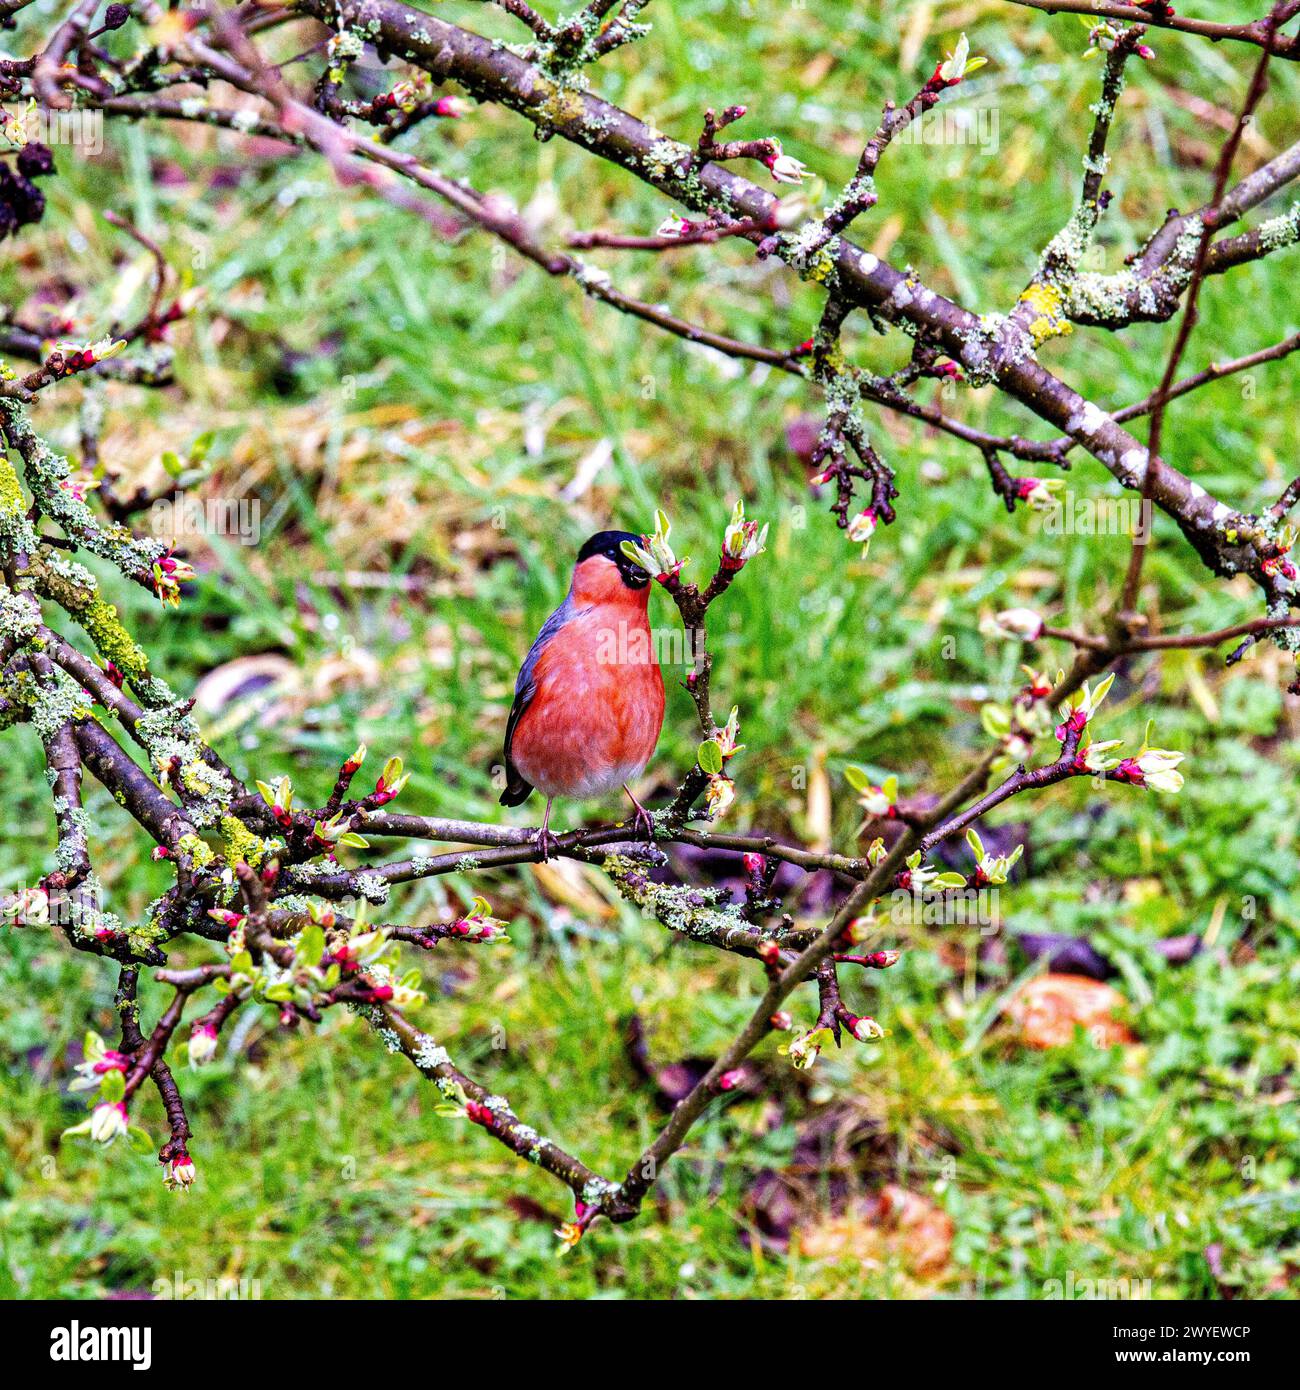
(729, 1080)
(203, 1043)
(865, 1029)
(755, 864)
(182, 1171)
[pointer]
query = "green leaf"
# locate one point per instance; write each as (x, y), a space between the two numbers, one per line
(112, 1086)
(311, 945)
(857, 778)
(139, 1139)
(709, 757)
(996, 721)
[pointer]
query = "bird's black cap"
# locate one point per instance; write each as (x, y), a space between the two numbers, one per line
(610, 545)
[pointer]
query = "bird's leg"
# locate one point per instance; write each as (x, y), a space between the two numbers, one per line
(544, 836)
(642, 817)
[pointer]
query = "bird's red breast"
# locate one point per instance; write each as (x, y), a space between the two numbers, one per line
(598, 705)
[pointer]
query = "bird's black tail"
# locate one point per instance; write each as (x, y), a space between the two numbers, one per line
(517, 790)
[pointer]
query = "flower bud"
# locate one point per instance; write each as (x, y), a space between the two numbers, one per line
(726, 737)
(804, 1051)
(858, 930)
(719, 794)
(742, 539)
(863, 526)
(675, 226)
(1039, 493)
(786, 169)
(956, 66)
(108, 1121)
(203, 1043)
(29, 907)
(1155, 769)
(180, 1172)
(654, 554)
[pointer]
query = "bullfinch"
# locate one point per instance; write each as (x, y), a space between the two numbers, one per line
(589, 700)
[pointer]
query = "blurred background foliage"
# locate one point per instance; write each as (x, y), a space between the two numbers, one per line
(431, 429)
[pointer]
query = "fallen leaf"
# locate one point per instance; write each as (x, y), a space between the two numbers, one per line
(896, 1226)
(1047, 1009)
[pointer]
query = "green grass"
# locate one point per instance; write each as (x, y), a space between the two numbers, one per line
(323, 1167)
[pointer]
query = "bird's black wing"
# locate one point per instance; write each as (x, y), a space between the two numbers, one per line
(517, 790)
